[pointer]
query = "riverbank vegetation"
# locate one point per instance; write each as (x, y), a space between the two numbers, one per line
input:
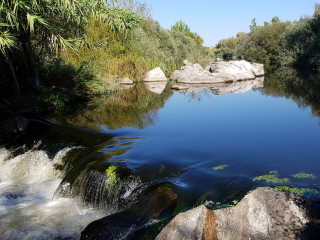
(278, 43)
(66, 50)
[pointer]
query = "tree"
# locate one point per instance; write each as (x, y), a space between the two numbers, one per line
(275, 19)
(253, 24)
(185, 29)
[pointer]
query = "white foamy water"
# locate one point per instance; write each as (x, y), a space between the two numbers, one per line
(27, 208)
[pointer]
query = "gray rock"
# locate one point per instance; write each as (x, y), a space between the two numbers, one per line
(126, 81)
(155, 75)
(219, 72)
(238, 70)
(187, 225)
(263, 214)
(258, 69)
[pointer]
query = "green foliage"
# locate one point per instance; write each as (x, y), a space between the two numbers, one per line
(275, 19)
(262, 44)
(304, 175)
(299, 191)
(301, 43)
(112, 178)
(182, 27)
(226, 48)
(219, 168)
(272, 177)
(253, 24)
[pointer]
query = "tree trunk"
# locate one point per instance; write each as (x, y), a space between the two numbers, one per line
(26, 41)
(14, 77)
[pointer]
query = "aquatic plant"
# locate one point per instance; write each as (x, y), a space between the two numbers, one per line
(162, 168)
(299, 191)
(112, 178)
(219, 168)
(304, 175)
(272, 177)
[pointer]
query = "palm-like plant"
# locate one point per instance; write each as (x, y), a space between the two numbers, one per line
(57, 23)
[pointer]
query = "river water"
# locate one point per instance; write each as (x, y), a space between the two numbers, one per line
(211, 146)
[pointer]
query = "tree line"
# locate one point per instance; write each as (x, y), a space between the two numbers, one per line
(277, 43)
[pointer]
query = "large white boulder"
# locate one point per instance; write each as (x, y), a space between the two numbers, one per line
(219, 72)
(155, 75)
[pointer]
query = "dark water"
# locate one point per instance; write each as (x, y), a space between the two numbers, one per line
(178, 138)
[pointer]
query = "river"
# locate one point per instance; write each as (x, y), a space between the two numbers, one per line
(206, 145)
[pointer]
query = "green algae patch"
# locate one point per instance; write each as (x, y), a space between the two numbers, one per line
(299, 191)
(272, 177)
(219, 168)
(303, 175)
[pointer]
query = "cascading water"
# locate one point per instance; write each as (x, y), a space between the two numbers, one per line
(28, 181)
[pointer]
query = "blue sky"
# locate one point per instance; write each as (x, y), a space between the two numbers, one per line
(217, 19)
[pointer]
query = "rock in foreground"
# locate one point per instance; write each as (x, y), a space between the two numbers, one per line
(219, 72)
(263, 214)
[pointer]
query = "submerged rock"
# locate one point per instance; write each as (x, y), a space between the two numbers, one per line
(124, 225)
(218, 72)
(155, 75)
(263, 214)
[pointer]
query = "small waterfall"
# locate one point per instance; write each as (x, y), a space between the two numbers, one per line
(102, 191)
(28, 181)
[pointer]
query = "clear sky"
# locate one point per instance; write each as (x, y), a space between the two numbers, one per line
(217, 19)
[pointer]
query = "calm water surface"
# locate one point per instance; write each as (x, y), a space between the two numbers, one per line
(250, 132)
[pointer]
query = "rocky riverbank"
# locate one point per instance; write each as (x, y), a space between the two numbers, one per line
(263, 214)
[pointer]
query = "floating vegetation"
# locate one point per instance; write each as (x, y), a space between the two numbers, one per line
(219, 168)
(299, 191)
(272, 177)
(304, 175)
(162, 168)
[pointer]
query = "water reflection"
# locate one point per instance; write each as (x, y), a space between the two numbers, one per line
(136, 107)
(221, 88)
(302, 88)
(156, 87)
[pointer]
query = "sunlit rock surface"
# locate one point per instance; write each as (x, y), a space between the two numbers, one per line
(222, 88)
(155, 75)
(219, 72)
(263, 214)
